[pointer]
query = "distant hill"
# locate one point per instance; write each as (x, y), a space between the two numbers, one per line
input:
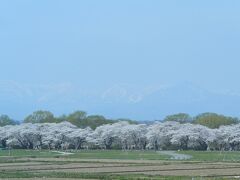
(123, 100)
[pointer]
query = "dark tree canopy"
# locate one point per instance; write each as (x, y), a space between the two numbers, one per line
(96, 120)
(80, 119)
(40, 117)
(213, 120)
(6, 120)
(75, 118)
(180, 117)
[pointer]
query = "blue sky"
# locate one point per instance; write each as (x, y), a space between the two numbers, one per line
(111, 57)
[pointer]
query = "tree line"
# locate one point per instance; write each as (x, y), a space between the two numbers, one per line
(82, 120)
(77, 118)
(167, 135)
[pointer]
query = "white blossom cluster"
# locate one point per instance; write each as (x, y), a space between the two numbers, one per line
(121, 135)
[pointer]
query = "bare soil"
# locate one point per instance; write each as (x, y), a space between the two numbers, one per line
(164, 168)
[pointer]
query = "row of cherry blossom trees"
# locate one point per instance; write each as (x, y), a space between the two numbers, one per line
(121, 135)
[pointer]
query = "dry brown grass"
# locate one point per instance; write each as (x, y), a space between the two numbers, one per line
(163, 168)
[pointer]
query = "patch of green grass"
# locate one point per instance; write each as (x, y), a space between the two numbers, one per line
(91, 154)
(13, 160)
(87, 154)
(213, 156)
(96, 176)
(27, 153)
(118, 154)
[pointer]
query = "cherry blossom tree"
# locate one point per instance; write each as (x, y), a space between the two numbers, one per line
(168, 135)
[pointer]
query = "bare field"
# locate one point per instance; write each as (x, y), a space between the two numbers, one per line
(160, 168)
(69, 167)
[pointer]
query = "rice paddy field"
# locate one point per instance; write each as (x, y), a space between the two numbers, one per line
(102, 164)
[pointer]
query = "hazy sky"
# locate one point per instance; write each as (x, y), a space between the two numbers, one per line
(64, 55)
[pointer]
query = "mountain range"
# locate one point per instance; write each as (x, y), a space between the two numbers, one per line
(118, 101)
